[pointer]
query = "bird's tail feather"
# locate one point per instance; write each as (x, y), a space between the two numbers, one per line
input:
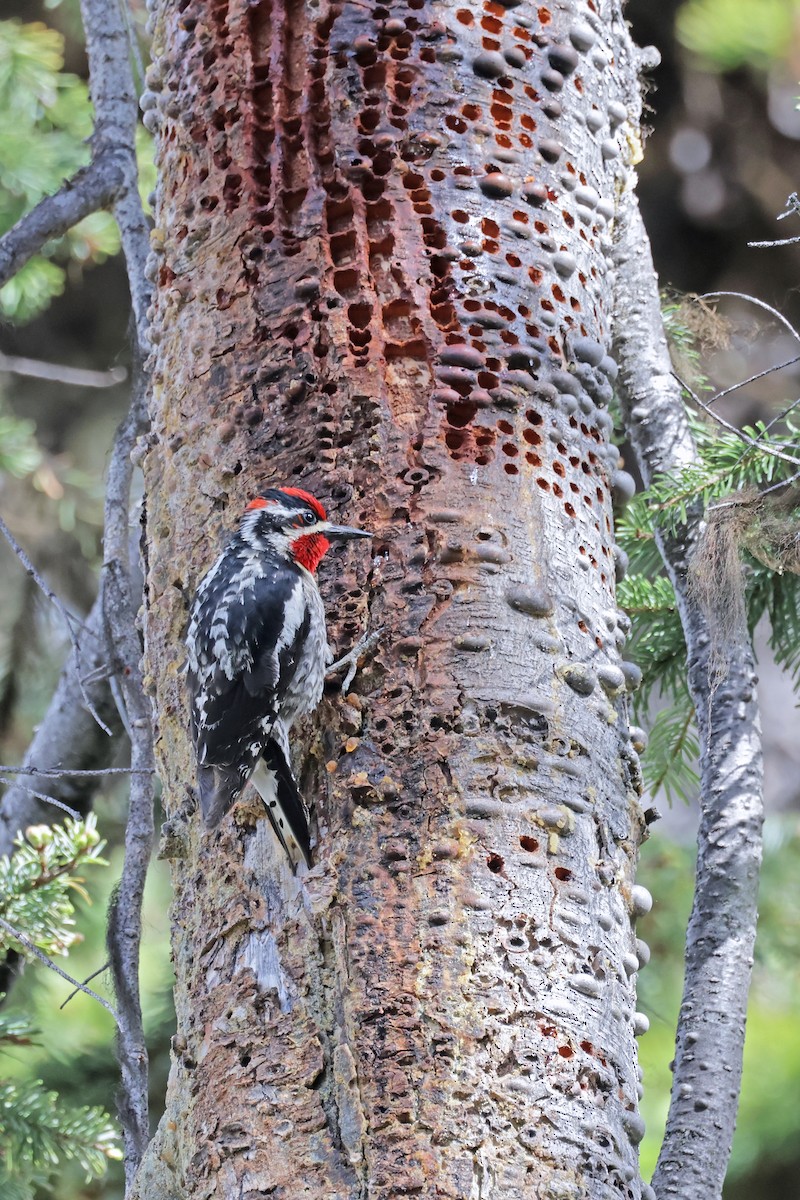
(274, 781)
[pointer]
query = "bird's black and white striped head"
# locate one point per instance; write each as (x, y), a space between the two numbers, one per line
(293, 523)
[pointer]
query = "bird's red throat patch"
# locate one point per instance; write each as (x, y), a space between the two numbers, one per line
(309, 548)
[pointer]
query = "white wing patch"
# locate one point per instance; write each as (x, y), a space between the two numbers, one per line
(293, 616)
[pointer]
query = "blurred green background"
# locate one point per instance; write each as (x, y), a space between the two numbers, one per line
(722, 156)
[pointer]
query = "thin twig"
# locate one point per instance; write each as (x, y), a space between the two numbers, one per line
(759, 304)
(790, 241)
(33, 368)
(69, 618)
(48, 962)
(733, 428)
(68, 772)
(76, 816)
(782, 483)
(734, 387)
(781, 416)
(93, 975)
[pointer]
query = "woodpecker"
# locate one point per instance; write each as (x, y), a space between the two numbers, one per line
(257, 658)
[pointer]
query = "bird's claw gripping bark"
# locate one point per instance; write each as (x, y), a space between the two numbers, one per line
(354, 657)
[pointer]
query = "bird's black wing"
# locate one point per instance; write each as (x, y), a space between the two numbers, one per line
(245, 642)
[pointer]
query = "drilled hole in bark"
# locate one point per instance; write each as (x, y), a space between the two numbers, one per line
(559, 469)
(495, 863)
(533, 459)
(359, 315)
(510, 469)
(510, 449)
(529, 843)
(460, 415)
(543, 484)
(566, 1051)
(558, 294)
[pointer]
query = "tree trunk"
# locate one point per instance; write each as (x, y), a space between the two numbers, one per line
(382, 251)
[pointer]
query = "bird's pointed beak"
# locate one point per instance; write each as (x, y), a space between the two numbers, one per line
(346, 531)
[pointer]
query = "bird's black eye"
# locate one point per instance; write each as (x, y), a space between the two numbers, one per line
(309, 518)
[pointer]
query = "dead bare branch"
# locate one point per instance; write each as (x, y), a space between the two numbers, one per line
(32, 948)
(721, 932)
(70, 620)
(112, 177)
(93, 187)
(71, 812)
(744, 437)
(759, 304)
(69, 772)
(75, 991)
(780, 242)
(33, 368)
(113, 93)
(734, 387)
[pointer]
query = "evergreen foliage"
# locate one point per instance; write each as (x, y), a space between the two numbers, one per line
(38, 1131)
(43, 140)
(38, 879)
(745, 485)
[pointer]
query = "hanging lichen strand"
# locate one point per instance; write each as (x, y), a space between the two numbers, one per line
(382, 250)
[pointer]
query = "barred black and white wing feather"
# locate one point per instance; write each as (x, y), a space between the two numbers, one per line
(258, 652)
(247, 632)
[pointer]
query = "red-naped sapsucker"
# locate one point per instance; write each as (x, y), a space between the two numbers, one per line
(257, 658)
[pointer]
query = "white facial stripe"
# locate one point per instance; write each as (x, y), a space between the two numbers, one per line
(285, 516)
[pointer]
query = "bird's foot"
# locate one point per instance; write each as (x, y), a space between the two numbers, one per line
(354, 657)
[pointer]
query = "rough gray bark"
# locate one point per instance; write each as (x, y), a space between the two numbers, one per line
(113, 92)
(383, 259)
(114, 96)
(721, 932)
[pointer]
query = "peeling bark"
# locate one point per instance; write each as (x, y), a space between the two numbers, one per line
(383, 267)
